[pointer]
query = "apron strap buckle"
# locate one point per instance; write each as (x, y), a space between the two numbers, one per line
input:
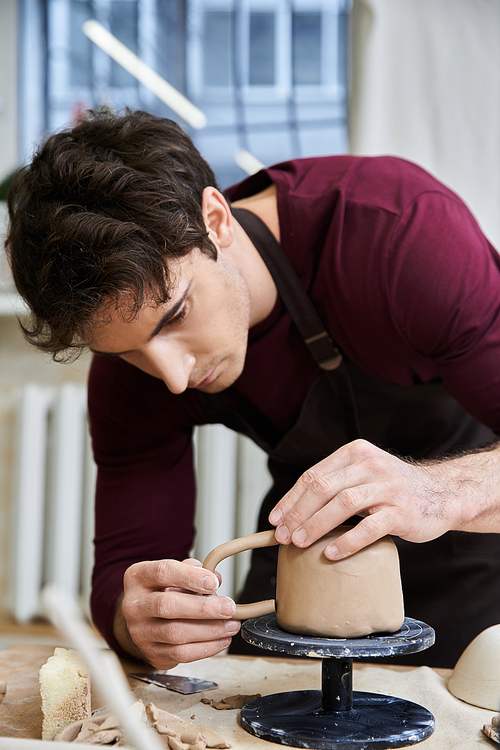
(324, 351)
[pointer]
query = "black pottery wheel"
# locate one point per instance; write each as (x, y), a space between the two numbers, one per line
(335, 716)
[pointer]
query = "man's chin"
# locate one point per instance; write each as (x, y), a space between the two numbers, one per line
(224, 380)
(216, 386)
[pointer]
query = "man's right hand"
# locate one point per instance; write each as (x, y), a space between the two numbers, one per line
(169, 613)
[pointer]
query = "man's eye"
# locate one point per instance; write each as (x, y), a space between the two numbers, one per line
(179, 317)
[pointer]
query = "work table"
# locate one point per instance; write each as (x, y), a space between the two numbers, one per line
(458, 725)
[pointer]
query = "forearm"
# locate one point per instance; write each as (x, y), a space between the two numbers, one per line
(464, 491)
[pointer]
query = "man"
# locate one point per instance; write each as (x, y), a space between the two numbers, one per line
(362, 354)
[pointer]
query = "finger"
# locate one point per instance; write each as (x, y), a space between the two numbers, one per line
(179, 605)
(321, 490)
(182, 632)
(355, 501)
(284, 506)
(160, 574)
(197, 564)
(162, 656)
(367, 531)
(340, 461)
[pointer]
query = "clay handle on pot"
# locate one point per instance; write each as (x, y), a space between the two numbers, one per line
(253, 541)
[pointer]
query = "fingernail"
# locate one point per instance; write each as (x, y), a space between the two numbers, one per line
(332, 552)
(275, 517)
(233, 627)
(210, 583)
(299, 536)
(282, 534)
(227, 607)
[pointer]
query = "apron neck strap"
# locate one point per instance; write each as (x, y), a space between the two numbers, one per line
(316, 337)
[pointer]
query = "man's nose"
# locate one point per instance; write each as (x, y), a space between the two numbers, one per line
(173, 364)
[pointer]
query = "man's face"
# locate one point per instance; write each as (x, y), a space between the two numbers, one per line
(196, 340)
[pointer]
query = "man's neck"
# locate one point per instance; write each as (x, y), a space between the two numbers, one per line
(265, 206)
(262, 287)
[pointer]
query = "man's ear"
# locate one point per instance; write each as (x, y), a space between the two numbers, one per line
(217, 217)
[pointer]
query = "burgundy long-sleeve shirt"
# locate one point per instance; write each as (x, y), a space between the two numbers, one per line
(406, 284)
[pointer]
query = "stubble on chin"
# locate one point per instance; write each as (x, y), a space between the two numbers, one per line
(229, 374)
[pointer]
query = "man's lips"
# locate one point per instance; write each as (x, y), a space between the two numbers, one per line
(207, 380)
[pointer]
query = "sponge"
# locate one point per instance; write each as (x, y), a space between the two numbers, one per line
(65, 691)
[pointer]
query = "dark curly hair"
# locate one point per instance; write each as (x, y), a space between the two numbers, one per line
(99, 213)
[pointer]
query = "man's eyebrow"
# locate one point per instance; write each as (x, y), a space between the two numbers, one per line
(163, 322)
(170, 313)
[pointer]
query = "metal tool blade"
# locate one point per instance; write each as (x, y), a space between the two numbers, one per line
(177, 683)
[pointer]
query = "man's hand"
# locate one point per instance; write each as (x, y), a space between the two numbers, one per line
(415, 501)
(169, 613)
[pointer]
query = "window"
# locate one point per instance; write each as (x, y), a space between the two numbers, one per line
(270, 48)
(217, 42)
(268, 74)
(306, 48)
(261, 49)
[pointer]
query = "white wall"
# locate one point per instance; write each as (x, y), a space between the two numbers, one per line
(8, 86)
(19, 363)
(426, 86)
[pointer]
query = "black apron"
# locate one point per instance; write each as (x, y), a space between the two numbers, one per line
(451, 583)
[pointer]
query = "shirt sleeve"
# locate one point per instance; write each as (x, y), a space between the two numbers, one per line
(443, 278)
(145, 480)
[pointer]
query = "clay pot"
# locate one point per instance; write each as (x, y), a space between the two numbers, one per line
(315, 596)
(476, 677)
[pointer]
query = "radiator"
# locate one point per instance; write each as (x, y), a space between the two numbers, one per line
(54, 480)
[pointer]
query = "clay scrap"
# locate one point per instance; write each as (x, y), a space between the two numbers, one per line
(177, 734)
(232, 701)
(3, 690)
(190, 735)
(99, 730)
(493, 730)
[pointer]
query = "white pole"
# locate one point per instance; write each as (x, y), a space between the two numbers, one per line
(144, 74)
(248, 162)
(105, 669)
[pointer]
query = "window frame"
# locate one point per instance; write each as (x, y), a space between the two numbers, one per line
(284, 88)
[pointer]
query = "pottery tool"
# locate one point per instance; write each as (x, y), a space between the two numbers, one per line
(335, 717)
(177, 683)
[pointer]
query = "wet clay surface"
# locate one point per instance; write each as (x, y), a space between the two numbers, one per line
(316, 596)
(339, 599)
